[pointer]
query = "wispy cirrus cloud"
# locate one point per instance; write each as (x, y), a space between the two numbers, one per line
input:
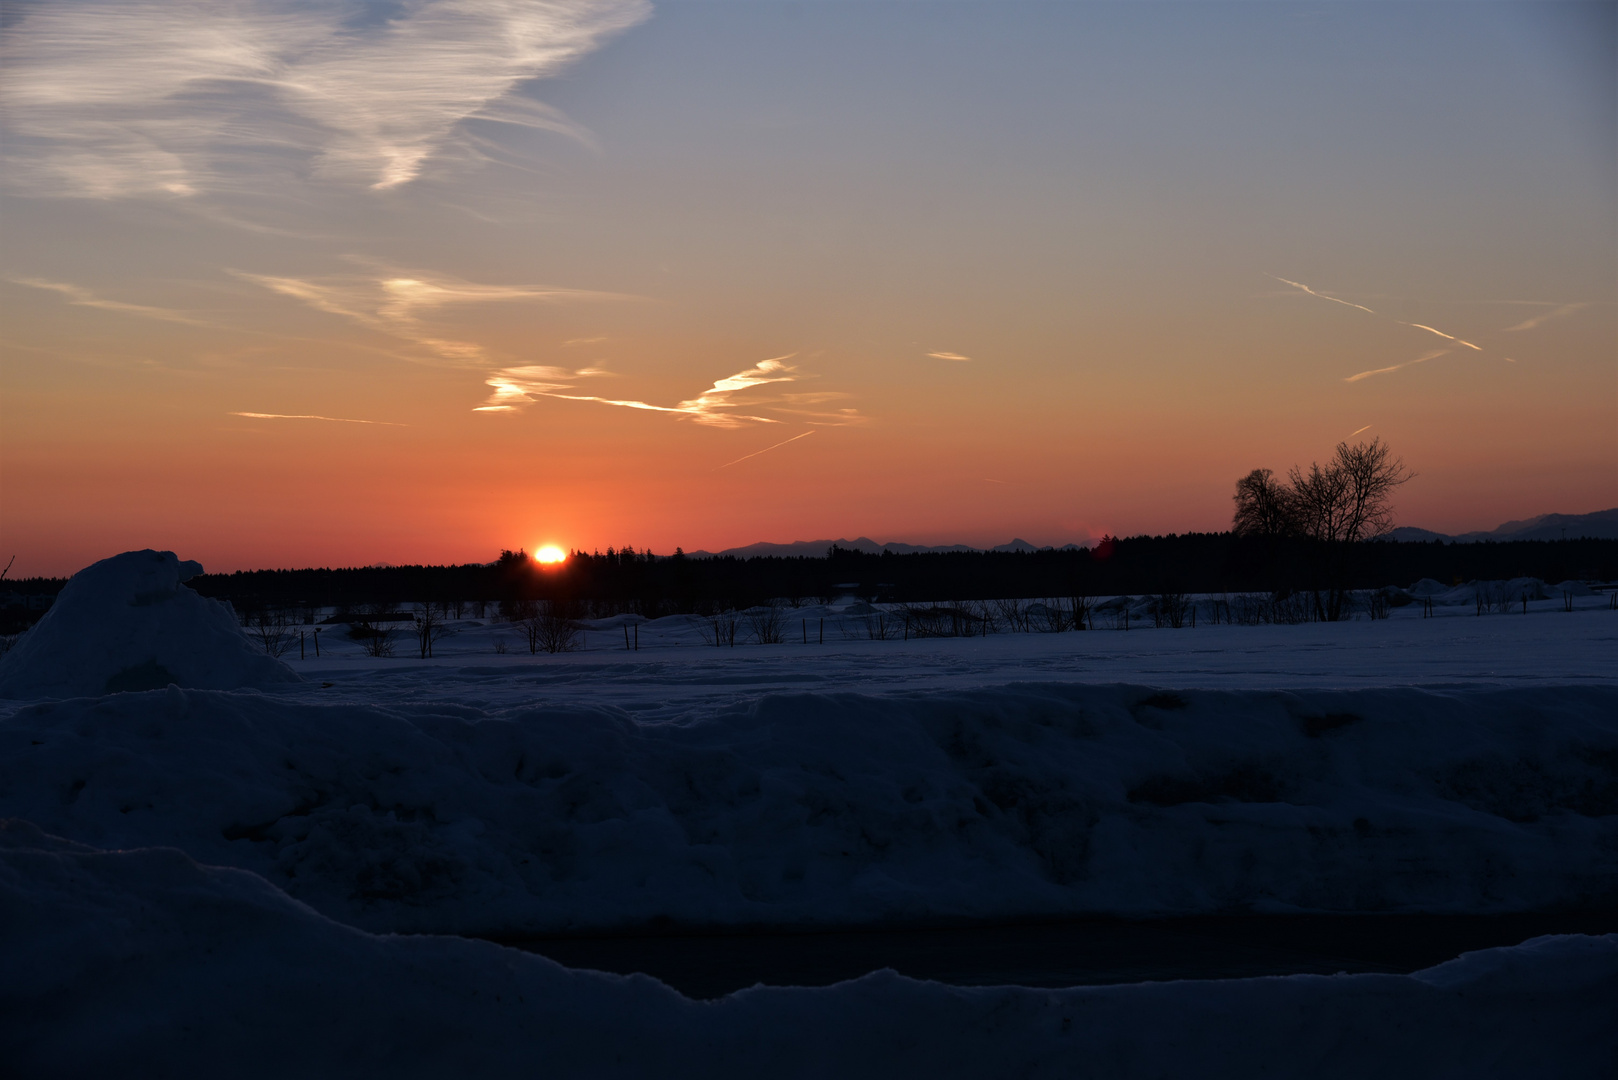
(398, 302)
(1560, 311)
(118, 98)
(718, 406)
(312, 416)
(80, 297)
(949, 356)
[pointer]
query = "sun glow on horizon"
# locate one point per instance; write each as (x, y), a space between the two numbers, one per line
(550, 553)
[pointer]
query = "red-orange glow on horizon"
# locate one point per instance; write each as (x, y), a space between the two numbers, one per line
(550, 554)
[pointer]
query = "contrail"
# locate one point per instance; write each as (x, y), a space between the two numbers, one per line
(1323, 296)
(1440, 333)
(1351, 434)
(310, 416)
(1396, 367)
(767, 449)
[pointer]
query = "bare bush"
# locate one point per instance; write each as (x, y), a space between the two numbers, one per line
(376, 639)
(430, 627)
(1080, 607)
(1169, 609)
(273, 630)
(548, 629)
(1015, 614)
(1049, 616)
(768, 624)
(720, 629)
(1376, 605)
(500, 646)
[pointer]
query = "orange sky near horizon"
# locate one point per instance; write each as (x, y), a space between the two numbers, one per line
(1047, 275)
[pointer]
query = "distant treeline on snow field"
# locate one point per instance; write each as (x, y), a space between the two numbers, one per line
(652, 585)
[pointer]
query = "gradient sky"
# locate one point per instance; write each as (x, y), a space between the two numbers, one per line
(291, 284)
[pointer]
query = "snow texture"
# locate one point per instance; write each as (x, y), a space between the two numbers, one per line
(145, 963)
(842, 808)
(129, 623)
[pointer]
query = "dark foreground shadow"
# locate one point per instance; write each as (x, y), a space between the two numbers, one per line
(1075, 952)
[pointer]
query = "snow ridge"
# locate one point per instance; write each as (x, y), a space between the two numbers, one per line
(802, 809)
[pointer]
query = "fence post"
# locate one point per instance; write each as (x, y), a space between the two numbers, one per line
(317, 643)
(637, 637)
(823, 630)
(300, 644)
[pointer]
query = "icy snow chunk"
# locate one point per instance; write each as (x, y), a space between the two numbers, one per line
(128, 623)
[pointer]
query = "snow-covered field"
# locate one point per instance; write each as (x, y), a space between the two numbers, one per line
(213, 862)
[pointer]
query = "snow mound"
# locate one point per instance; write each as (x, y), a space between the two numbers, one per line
(128, 623)
(797, 809)
(147, 959)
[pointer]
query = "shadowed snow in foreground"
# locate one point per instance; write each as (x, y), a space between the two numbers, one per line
(828, 809)
(145, 963)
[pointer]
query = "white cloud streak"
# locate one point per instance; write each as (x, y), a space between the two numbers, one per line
(949, 356)
(516, 387)
(1535, 320)
(113, 99)
(85, 298)
(311, 416)
(767, 449)
(1401, 322)
(1440, 333)
(1408, 363)
(1322, 296)
(1356, 431)
(396, 303)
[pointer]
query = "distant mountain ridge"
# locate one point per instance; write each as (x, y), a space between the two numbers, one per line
(1600, 525)
(816, 549)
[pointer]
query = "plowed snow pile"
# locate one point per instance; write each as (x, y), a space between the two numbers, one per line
(129, 623)
(795, 809)
(145, 963)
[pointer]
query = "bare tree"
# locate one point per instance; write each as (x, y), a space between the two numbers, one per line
(1347, 500)
(1351, 497)
(1264, 506)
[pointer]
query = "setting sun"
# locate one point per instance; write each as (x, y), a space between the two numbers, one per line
(550, 553)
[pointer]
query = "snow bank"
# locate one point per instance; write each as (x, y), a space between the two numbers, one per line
(128, 623)
(140, 963)
(797, 808)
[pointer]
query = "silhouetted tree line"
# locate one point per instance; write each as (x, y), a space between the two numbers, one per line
(594, 585)
(626, 580)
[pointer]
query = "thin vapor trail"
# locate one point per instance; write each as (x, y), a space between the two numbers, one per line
(1351, 434)
(1323, 296)
(1440, 333)
(1396, 367)
(766, 450)
(311, 416)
